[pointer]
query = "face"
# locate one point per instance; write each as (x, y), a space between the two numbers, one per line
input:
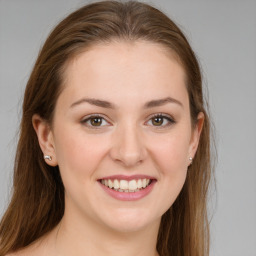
(122, 135)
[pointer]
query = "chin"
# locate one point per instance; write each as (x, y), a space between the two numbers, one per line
(130, 220)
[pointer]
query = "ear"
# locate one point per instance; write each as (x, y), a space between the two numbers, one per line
(195, 136)
(45, 138)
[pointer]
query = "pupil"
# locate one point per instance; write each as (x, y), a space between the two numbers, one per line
(158, 121)
(96, 121)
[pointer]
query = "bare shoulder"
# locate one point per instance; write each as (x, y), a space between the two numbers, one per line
(38, 248)
(18, 253)
(44, 246)
(15, 254)
(28, 251)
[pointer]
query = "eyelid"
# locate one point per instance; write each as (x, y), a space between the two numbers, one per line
(170, 119)
(91, 116)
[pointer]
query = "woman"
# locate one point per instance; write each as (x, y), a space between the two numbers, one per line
(114, 149)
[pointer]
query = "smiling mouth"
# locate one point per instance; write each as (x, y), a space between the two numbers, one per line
(126, 186)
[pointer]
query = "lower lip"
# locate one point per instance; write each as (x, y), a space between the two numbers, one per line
(129, 196)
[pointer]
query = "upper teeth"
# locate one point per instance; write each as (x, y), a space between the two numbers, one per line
(125, 185)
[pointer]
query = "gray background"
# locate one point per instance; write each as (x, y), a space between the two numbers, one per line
(223, 34)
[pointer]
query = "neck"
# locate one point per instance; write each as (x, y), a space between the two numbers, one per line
(91, 238)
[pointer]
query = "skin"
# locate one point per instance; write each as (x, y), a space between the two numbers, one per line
(128, 142)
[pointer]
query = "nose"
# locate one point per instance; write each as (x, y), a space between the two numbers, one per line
(128, 147)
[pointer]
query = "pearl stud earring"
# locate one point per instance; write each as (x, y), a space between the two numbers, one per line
(48, 157)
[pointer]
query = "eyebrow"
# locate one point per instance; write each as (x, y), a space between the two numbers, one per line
(96, 102)
(107, 104)
(161, 102)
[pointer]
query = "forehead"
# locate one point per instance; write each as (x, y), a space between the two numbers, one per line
(132, 69)
(125, 53)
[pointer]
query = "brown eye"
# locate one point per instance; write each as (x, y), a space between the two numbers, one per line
(96, 121)
(161, 121)
(157, 121)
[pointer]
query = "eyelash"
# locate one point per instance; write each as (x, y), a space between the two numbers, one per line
(169, 119)
(91, 117)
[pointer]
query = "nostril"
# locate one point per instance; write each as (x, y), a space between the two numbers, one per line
(128, 147)
(128, 159)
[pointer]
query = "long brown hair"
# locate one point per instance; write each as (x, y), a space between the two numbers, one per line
(37, 203)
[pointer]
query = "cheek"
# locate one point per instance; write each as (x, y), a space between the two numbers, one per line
(77, 154)
(171, 152)
(172, 163)
(170, 158)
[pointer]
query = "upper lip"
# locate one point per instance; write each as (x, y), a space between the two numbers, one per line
(128, 178)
